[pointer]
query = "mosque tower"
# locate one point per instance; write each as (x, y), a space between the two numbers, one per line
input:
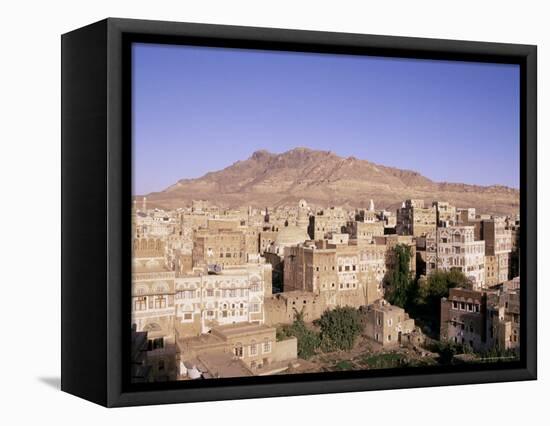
(371, 205)
(303, 215)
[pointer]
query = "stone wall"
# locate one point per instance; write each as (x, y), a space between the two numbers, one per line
(285, 350)
(282, 308)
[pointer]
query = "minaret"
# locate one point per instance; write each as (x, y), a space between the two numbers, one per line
(144, 205)
(371, 206)
(303, 216)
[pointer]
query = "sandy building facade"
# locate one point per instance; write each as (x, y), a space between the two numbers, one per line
(464, 318)
(234, 295)
(238, 350)
(415, 219)
(153, 305)
(387, 324)
(457, 249)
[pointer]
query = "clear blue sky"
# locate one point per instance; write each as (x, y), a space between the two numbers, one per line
(200, 109)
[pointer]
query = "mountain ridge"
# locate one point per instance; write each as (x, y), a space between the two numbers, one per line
(324, 179)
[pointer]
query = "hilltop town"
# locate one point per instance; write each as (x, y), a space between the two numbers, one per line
(228, 292)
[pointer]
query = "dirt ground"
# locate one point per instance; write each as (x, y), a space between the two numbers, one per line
(365, 355)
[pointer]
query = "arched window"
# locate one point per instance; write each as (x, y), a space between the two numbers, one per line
(152, 327)
(238, 350)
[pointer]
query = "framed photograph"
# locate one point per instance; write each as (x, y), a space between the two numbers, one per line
(256, 212)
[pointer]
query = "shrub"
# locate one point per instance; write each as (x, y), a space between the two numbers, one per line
(447, 351)
(308, 340)
(385, 360)
(339, 328)
(343, 365)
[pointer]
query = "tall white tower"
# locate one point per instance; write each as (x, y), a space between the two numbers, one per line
(303, 215)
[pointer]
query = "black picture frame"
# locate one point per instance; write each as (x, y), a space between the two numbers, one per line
(96, 205)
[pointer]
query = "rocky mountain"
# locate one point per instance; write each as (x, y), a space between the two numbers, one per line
(325, 179)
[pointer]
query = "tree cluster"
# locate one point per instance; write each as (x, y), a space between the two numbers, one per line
(437, 285)
(308, 340)
(419, 297)
(337, 330)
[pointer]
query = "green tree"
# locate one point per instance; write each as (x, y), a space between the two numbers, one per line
(308, 340)
(400, 287)
(426, 303)
(339, 328)
(438, 285)
(447, 351)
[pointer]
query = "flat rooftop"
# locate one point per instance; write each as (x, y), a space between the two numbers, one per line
(241, 329)
(386, 307)
(221, 364)
(138, 269)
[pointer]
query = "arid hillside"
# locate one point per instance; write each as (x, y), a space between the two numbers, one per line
(325, 179)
